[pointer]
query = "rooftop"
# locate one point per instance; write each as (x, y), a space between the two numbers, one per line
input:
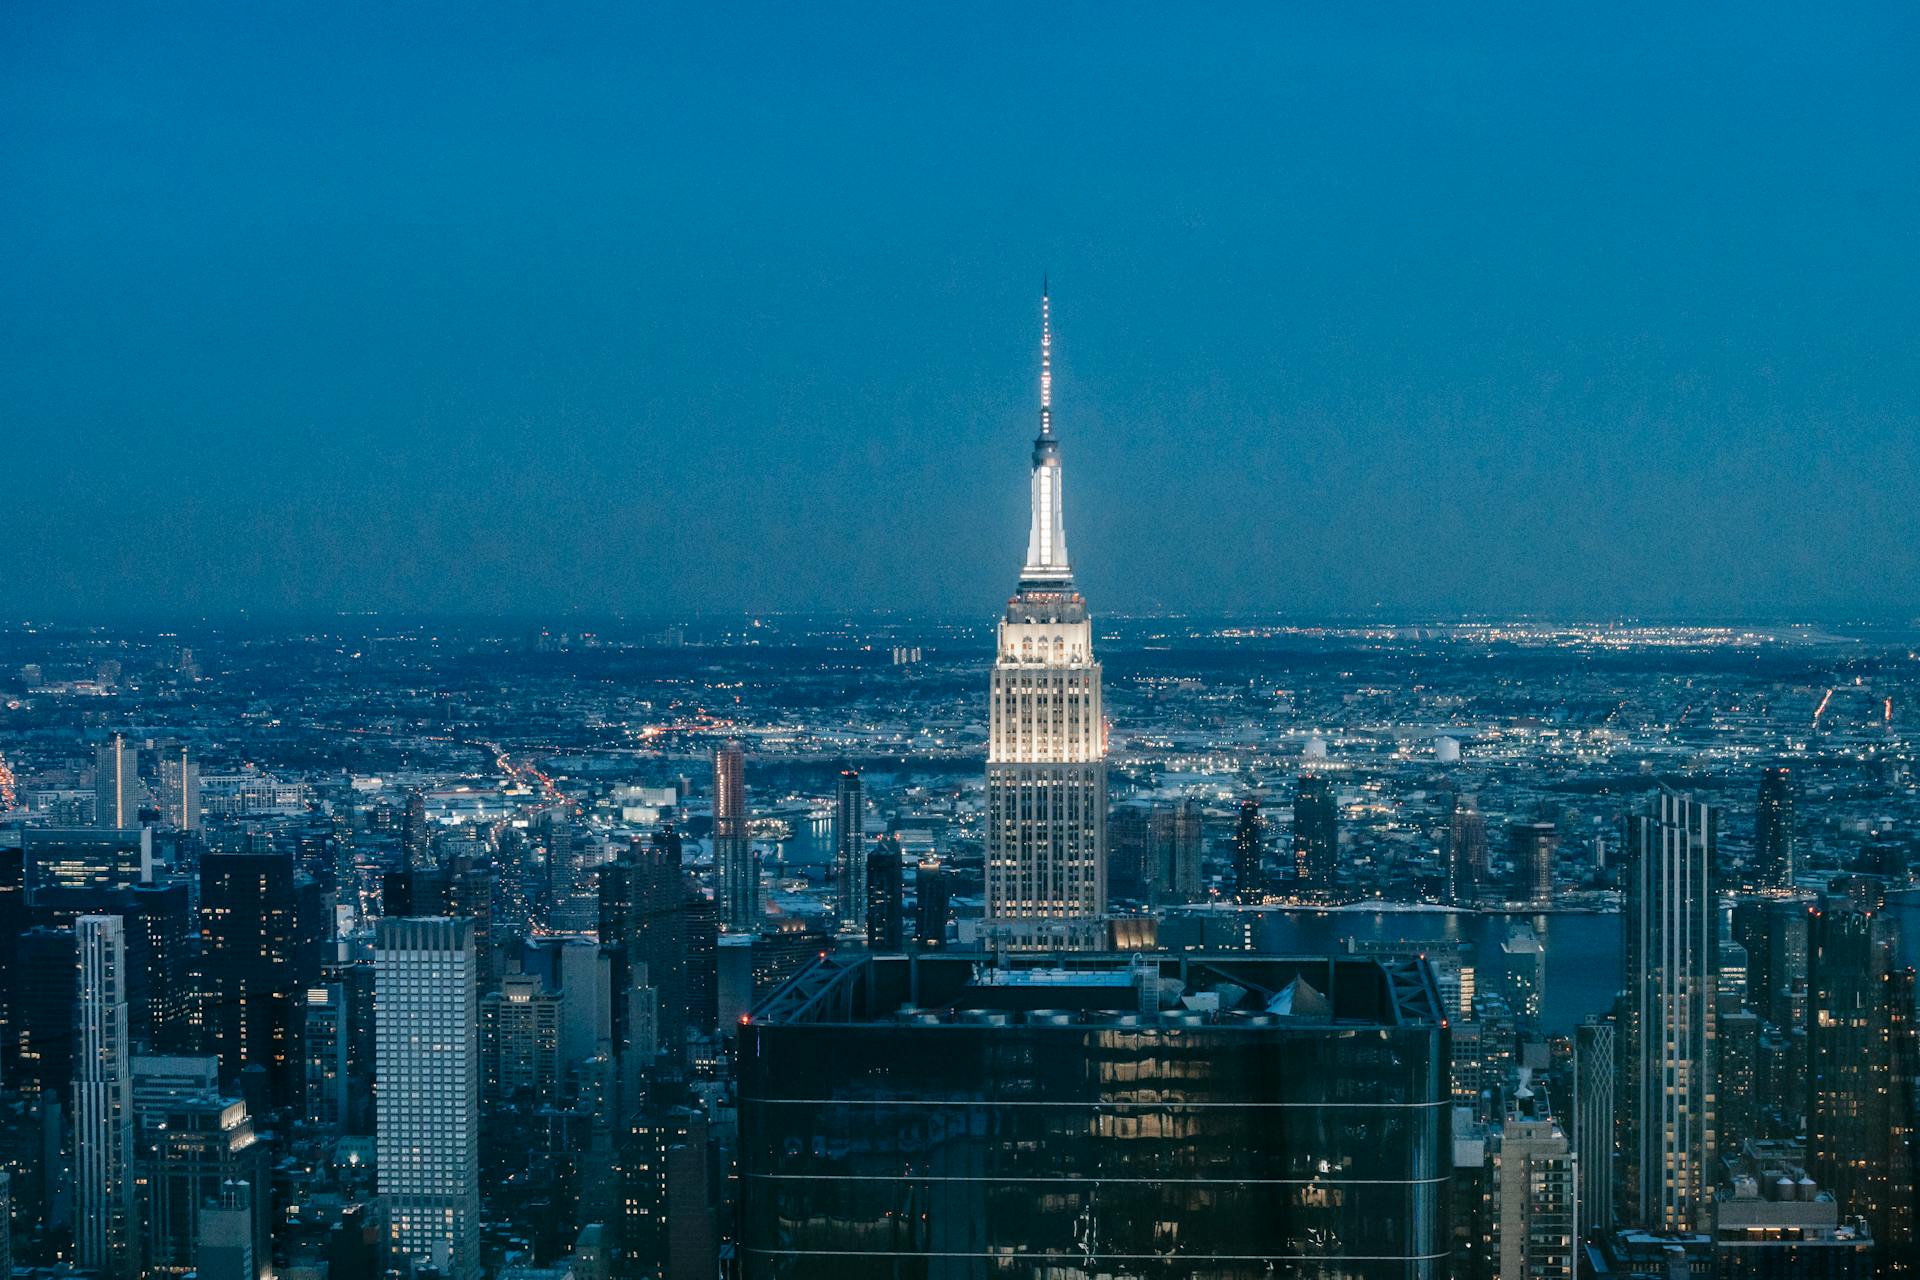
(1232, 990)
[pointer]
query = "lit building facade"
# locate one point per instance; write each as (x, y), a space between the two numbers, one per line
(103, 1103)
(1668, 1053)
(427, 1063)
(1046, 873)
(1537, 1199)
(732, 842)
(118, 791)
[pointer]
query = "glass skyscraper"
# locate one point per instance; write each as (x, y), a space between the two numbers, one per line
(849, 853)
(1097, 1114)
(733, 843)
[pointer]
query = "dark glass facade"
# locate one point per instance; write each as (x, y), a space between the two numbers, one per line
(908, 1117)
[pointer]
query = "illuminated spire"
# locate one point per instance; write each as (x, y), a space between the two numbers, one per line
(1046, 568)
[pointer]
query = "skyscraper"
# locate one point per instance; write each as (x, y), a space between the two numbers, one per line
(1184, 855)
(428, 1133)
(1533, 845)
(1737, 1077)
(179, 789)
(253, 948)
(1046, 872)
(1524, 956)
(325, 1042)
(933, 904)
(1466, 851)
(1153, 851)
(1316, 831)
(416, 838)
(1249, 853)
(1773, 830)
(849, 852)
(118, 792)
(1672, 955)
(1594, 1090)
(190, 1141)
(652, 916)
(102, 1103)
(1538, 1198)
(572, 898)
(157, 922)
(1859, 1107)
(41, 1012)
(886, 896)
(732, 843)
(519, 1042)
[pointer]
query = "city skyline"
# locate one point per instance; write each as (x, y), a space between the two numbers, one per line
(526, 752)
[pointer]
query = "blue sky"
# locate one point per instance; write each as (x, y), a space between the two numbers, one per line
(1590, 310)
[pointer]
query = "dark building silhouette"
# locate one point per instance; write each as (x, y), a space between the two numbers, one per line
(188, 1145)
(1532, 851)
(416, 891)
(1064, 1099)
(1249, 853)
(1595, 1090)
(259, 947)
(46, 968)
(13, 923)
(1738, 1052)
(933, 894)
(886, 897)
(1774, 933)
(416, 836)
(1860, 1122)
(666, 1226)
(1466, 852)
(1773, 861)
(159, 927)
(849, 852)
(1316, 831)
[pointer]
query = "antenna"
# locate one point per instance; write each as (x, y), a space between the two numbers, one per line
(1046, 361)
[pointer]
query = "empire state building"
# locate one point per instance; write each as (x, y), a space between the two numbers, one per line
(1047, 748)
